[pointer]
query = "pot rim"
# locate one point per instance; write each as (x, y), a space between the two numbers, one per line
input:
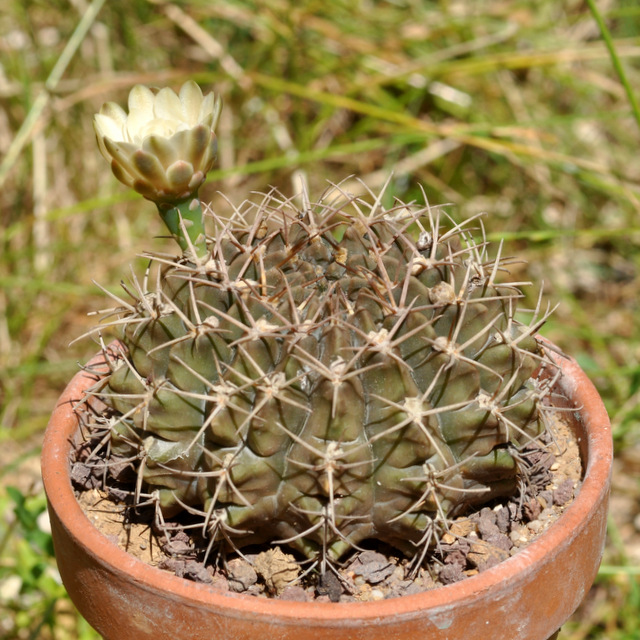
(595, 486)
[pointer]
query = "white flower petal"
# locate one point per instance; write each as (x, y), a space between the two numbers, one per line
(167, 105)
(141, 101)
(108, 128)
(210, 108)
(191, 99)
(115, 112)
(103, 149)
(160, 127)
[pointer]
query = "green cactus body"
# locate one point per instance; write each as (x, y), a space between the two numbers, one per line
(323, 377)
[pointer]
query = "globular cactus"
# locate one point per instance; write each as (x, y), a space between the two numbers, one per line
(325, 375)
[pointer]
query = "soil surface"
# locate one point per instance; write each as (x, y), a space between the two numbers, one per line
(472, 544)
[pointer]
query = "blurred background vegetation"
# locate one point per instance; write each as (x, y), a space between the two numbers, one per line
(511, 107)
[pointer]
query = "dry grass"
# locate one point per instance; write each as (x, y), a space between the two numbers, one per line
(510, 107)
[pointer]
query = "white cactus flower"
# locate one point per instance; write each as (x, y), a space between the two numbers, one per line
(166, 144)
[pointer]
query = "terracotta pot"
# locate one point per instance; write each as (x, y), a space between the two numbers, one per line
(529, 596)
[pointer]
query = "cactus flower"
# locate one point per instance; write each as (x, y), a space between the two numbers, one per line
(164, 147)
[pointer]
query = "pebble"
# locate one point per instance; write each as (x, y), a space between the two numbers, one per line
(484, 556)
(564, 492)
(547, 514)
(518, 536)
(503, 519)
(535, 526)
(241, 575)
(294, 593)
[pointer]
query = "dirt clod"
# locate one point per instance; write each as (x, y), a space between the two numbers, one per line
(188, 569)
(276, 568)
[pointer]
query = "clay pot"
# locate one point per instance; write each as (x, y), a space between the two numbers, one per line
(529, 596)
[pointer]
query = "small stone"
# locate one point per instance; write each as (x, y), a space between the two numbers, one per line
(487, 526)
(177, 547)
(563, 493)
(463, 528)
(545, 498)
(451, 573)
(397, 575)
(547, 514)
(518, 535)
(456, 556)
(294, 593)
(188, 569)
(488, 514)
(531, 509)
(503, 520)
(513, 511)
(372, 566)
(500, 540)
(535, 526)
(484, 556)
(197, 572)
(82, 476)
(241, 575)
(447, 538)
(330, 585)
(412, 588)
(118, 495)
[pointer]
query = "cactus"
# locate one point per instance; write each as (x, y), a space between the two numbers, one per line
(323, 375)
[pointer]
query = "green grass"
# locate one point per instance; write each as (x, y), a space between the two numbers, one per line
(523, 109)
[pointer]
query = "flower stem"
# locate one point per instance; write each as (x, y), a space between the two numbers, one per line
(185, 221)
